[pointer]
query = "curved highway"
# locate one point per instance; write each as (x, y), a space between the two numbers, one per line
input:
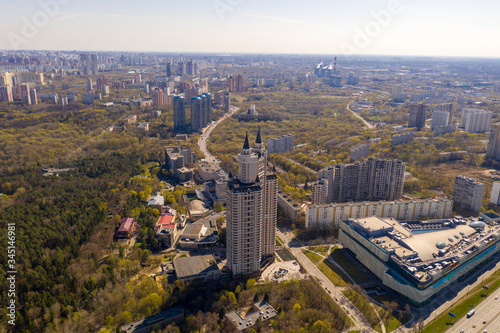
(202, 140)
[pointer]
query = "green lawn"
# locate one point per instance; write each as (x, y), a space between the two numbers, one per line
(351, 269)
(320, 249)
(460, 309)
(313, 257)
(336, 270)
(326, 268)
(394, 324)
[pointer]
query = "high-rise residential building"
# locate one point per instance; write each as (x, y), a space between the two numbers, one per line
(160, 97)
(396, 93)
(493, 149)
(168, 68)
(251, 216)
(179, 113)
(204, 109)
(475, 121)
(440, 118)
(320, 192)
(227, 102)
(90, 64)
(6, 79)
(208, 109)
(6, 94)
(181, 68)
(281, 144)
(90, 84)
(105, 89)
(16, 81)
(94, 64)
(33, 97)
(449, 107)
(189, 67)
(375, 179)
(352, 80)
(236, 83)
(495, 194)
(335, 81)
(468, 193)
(100, 81)
(196, 114)
(418, 113)
(24, 95)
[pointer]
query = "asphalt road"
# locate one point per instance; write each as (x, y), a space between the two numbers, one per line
(348, 107)
(488, 310)
(202, 140)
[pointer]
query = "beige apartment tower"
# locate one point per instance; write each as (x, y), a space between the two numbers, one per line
(251, 201)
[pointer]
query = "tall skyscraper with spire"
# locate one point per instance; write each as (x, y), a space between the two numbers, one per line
(251, 211)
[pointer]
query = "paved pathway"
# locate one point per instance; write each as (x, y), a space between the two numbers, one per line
(357, 318)
(348, 107)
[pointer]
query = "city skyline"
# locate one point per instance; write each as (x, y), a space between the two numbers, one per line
(393, 27)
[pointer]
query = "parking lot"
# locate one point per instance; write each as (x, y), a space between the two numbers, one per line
(281, 271)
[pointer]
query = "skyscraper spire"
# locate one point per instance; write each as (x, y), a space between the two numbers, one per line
(259, 139)
(246, 145)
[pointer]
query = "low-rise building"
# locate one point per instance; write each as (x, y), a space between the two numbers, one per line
(360, 151)
(281, 144)
(156, 201)
(209, 171)
(196, 209)
(261, 310)
(440, 130)
(399, 139)
(183, 174)
(130, 119)
(143, 126)
(287, 204)
(201, 233)
(199, 268)
(175, 159)
(126, 229)
(166, 229)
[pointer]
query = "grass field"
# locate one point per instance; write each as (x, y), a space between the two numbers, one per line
(357, 274)
(320, 249)
(326, 268)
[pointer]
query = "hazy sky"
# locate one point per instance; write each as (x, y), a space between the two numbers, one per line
(405, 27)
